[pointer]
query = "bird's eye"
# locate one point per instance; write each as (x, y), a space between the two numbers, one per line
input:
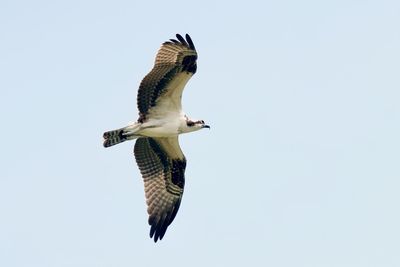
(202, 121)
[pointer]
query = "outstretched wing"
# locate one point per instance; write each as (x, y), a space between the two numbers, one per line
(162, 165)
(175, 64)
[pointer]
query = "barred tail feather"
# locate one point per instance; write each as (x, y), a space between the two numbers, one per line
(114, 137)
(121, 135)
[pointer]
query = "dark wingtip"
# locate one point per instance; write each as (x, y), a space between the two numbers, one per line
(181, 39)
(174, 41)
(154, 230)
(155, 234)
(190, 42)
(159, 226)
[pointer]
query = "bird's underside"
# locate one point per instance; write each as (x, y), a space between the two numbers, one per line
(161, 119)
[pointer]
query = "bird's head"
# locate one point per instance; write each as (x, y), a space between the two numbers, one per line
(194, 125)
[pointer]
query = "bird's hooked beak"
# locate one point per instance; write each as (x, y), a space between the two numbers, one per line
(206, 126)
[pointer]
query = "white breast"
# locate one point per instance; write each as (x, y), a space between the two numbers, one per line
(166, 126)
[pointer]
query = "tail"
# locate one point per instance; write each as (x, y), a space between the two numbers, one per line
(114, 137)
(121, 135)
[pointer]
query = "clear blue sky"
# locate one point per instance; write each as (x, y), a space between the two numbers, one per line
(300, 168)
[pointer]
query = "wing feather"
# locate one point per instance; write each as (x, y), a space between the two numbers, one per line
(173, 51)
(162, 165)
(174, 57)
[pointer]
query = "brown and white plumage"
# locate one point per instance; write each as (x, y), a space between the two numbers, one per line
(175, 64)
(162, 165)
(161, 119)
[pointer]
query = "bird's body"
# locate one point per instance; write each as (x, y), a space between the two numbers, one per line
(161, 120)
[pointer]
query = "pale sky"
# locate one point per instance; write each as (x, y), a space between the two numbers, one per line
(300, 167)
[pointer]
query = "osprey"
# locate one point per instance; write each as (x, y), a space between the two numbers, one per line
(161, 119)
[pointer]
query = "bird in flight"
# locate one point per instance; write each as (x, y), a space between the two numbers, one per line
(161, 119)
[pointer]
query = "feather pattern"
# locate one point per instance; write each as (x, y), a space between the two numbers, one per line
(162, 165)
(173, 58)
(161, 119)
